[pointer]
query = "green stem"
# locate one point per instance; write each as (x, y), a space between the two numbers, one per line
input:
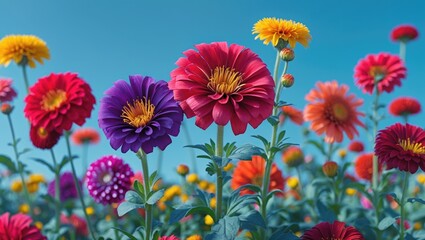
(329, 153)
(297, 168)
(114, 222)
(57, 192)
(148, 208)
(160, 160)
(402, 203)
(20, 166)
(191, 150)
(403, 51)
(219, 153)
(78, 187)
(24, 71)
(84, 157)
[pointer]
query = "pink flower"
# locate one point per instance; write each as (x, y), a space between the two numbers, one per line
(18, 226)
(7, 93)
(218, 83)
(365, 202)
(404, 33)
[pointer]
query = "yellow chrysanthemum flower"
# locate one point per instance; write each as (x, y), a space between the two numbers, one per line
(16, 186)
(32, 187)
(273, 30)
(192, 178)
(23, 49)
(421, 178)
(203, 185)
(208, 220)
(24, 208)
(292, 182)
(194, 237)
(36, 178)
(211, 188)
(171, 192)
(350, 191)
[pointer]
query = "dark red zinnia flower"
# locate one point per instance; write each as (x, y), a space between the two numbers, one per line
(404, 33)
(356, 146)
(220, 83)
(404, 106)
(401, 146)
(363, 166)
(43, 139)
(384, 69)
(332, 231)
(18, 226)
(57, 101)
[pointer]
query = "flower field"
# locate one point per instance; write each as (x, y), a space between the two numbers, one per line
(356, 170)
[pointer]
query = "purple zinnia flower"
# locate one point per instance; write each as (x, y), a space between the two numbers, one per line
(67, 187)
(141, 114)
(108, 179)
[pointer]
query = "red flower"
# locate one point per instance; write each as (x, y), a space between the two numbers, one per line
(332, 111)
(78, 223)
(85, 135)
(401, 146)
(295, 115)
(172, 237)
(252, 172)
(404, 106)
(218, 83)
(57, 101)
(18, 226)
(43, 139)
(363, 166)
(404, 33)
(356, 146)
(384, 68)
(332, 231)
(7, 93)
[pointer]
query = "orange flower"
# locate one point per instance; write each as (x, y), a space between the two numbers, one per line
(332, 112)
(295, 115)
(251, 172)
(85, 135)
(364, 166)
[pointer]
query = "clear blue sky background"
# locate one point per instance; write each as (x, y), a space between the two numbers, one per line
(105, 41)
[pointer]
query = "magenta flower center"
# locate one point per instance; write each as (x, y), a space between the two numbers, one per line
(53, 99)
(415, 147)
(225, 80)
(139, 113)
(378, 72)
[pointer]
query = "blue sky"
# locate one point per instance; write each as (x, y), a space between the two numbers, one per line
(105, 41)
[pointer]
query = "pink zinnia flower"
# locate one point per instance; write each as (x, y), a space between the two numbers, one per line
(7, 93)
(18, 226)
(404, 106)
(401, 146)
(172, 237)
(385, 69)
(218, 83)
(404, 33)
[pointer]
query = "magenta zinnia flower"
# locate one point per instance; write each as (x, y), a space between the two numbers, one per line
(108, 179)
(18, 226)
(401, 146)
(332, 231)
(404, 33)
(141, 114)
(67, 186)
(7, 93)
(218, 83)
(385, 69)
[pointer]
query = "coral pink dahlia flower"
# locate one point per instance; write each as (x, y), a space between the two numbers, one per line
(220, 83)
(18, 226)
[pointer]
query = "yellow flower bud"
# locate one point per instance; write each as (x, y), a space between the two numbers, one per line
(208, 220)
(213, 202)
(24, 208)
(192, 178)
(292, 182)
(16, 186)
(350, 191)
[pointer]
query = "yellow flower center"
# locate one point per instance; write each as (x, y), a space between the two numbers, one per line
(225, 80)
(139, 113)
(42, 132)
(53, 99)
(340, 111)
(413, 146)
(378, 72)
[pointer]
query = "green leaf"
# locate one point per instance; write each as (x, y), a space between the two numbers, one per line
(325, 214)
(318, 145)
(126, 207)
(229, 148)
(246, 152)
(251, 187)
(153, 198)
(262, 139)
(386, 223)
(138, 187)
(153, 179)
(281, 104)
(133, 197)
(45, 163)
(64, 161)
(273, 120)
(227, 228)
(283, 234)
(186, 210)
(200, 147)
(251, 219)
(8, 163)
(281, 136)
(210, 169)
(129, 235)
(413, 200)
